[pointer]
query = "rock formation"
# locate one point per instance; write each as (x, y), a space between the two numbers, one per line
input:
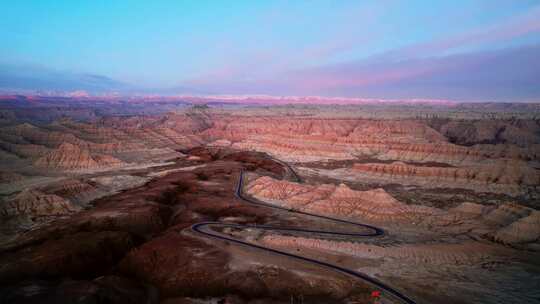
(468, 253)
(72, 157)
(503, 176)
(338, 201)
(10, 177)
(523, 230)
(508, 223)
(313, 139)
(36, 203)
(520, 132)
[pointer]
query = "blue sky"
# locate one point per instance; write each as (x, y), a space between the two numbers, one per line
(386, 49)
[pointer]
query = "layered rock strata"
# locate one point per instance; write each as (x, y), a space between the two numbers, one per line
(339, 201)
(72, 157)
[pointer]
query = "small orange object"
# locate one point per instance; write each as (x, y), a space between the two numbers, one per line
(375, 294)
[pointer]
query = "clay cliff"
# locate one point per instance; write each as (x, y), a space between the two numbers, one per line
(435, 155)
(488, 131)
(508, 176)
(109, 142)
(72, 157)
(508, 223)
(338, 201)
(310, 139)
(35, 203)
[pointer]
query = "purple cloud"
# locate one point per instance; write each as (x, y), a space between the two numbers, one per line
(482, 75)
(522, 25)
(431, 69)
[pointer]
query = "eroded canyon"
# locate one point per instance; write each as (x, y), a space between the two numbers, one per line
(98, 207)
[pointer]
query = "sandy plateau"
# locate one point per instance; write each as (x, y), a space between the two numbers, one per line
(102, 210)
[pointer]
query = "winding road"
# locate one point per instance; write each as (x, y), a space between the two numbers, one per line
(375, 232)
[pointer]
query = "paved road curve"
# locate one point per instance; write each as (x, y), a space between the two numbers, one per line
(374, 232)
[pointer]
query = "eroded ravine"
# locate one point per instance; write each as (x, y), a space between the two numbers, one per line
(205, 228)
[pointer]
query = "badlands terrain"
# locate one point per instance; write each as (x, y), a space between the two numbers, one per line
(257, 200)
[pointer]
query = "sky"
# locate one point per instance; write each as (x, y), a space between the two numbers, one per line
(460, 50)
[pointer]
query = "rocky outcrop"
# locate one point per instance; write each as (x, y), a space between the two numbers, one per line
(470, 209)
(35, 203)
(513, 224)
(314, 139)
(78, 191)
(305, 140)
(36, 135)
(10, 177)
(292, 148)
(490, 131)
(102, 144)
(299, 139)
(508, 223)
(468, 253)
(338, 201)
(524, 230)
(503, 176)
(506, 214)
(72, 157)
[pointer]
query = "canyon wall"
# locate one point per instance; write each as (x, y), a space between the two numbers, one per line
(498, 156)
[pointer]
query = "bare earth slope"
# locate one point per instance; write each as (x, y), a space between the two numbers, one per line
(99, 204)
(72, 157)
